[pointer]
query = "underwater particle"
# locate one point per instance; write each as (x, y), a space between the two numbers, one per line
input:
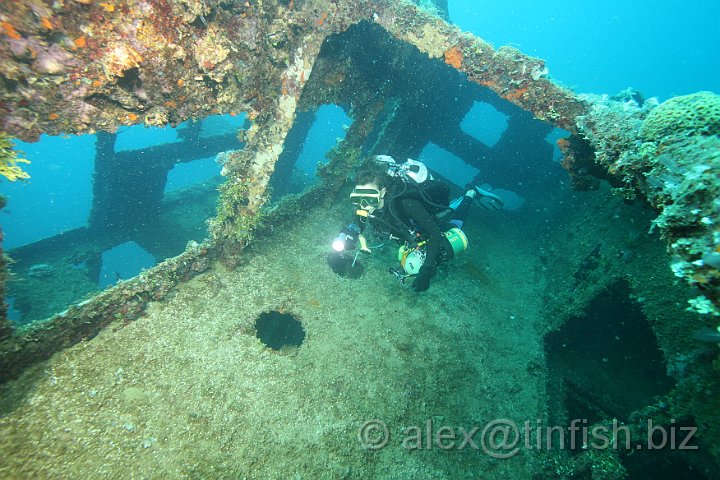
(686, 115)
(277, 330)
(454, 57)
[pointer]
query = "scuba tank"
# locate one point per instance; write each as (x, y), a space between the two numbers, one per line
(412, 258)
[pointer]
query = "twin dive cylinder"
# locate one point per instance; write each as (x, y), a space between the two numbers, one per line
(412, 258)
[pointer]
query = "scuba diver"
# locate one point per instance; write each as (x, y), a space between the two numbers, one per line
(403, 202)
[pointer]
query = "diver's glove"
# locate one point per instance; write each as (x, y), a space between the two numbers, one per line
(422, 280)
(347, 239)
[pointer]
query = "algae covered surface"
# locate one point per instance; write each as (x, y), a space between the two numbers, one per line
(188, 391)
(462, 377)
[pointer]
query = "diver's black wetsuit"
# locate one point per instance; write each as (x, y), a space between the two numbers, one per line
(413, 224)
(412, 218)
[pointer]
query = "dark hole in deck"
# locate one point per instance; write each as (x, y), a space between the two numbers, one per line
(277, 330)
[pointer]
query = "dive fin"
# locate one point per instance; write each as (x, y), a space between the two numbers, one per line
(456, 203)
(492, 200)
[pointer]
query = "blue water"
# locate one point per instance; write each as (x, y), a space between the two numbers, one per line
(327, 129)
(58, 195)
(662, 48)
(122, 262)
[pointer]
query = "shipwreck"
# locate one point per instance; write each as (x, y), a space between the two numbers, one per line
(93, 375)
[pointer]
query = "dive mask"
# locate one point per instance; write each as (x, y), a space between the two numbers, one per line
(365, 197)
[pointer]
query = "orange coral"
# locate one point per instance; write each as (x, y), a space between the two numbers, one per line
(45, 22)
(284, 86)
(80, 42)
(180, 82)
(170, 104)
(516, 94)
(53, 116)
(132, 117)
(454, 57)
(562, 143)
(10, 30)
(322, 19)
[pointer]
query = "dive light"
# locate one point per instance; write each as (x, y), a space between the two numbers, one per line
(346, 239)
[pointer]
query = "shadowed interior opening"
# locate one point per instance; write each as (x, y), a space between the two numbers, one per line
(607, 364)
(277, 330)
(609, 360)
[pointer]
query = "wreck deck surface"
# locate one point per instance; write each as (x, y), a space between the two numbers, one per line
(192, 384)
(188, 391)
